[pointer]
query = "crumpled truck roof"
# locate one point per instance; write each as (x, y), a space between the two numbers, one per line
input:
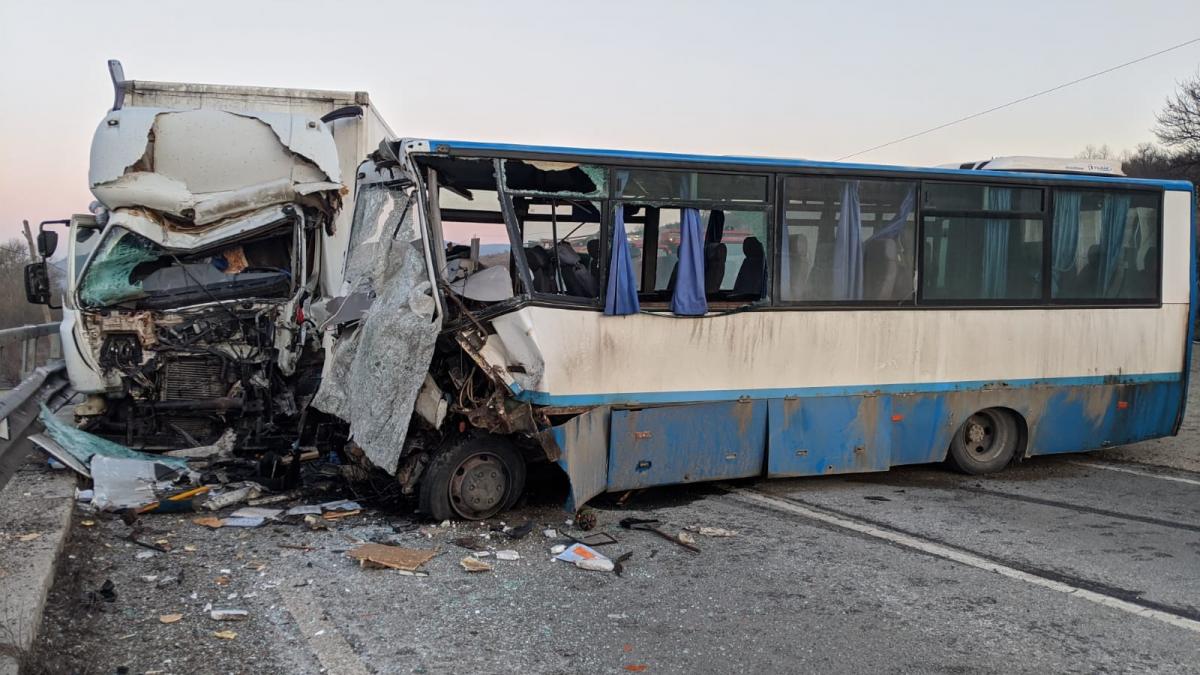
(203, 166)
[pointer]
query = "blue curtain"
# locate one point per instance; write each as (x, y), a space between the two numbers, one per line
(995, 244)
(688, 297)
(895, 227)
(847, 247)
(1065, 242)
(1113, 215)
(621, 296)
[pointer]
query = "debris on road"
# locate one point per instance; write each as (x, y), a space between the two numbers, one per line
(229, 614)
(649, 525)
(686, 537)
(225, 634)
(256, 512)
(711, 531)
(234, 496)
(472, 564)
(209, 521)
(29, 537)
(393, 557)
(169, 618)
(596, 539)
(520, 531)
(507, 554)
(586, 558)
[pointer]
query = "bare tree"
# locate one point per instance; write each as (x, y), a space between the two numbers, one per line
(1093, 152)
(1179, 122)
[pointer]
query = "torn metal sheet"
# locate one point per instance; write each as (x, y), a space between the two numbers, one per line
(373, 372)
(178, 161)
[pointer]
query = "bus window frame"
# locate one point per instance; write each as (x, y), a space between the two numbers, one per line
(1160, 199)
(781, 211)
(652, 299)
(1044, 216)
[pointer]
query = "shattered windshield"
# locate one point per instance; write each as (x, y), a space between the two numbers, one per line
(131, 270)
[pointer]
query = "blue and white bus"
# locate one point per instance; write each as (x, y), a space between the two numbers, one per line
(645, 319)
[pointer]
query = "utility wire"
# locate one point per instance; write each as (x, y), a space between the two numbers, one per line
(1021, 100)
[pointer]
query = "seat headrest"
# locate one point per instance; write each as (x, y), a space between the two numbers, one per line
(567, 255)
(752, 247)
(538, 257)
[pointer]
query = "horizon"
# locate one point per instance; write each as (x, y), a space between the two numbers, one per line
(739, 81)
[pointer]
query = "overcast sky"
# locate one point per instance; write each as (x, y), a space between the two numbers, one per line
(817, 80)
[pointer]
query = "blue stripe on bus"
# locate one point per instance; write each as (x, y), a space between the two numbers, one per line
(657, 397)
(780, 162)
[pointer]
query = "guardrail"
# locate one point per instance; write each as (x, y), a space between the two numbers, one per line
(26, 339)
(40, 384)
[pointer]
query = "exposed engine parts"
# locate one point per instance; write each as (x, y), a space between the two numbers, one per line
(189, 375)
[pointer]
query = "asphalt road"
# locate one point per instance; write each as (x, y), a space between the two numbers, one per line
(1080, 563)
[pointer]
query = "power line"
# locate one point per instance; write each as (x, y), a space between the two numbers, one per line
(1021, 100)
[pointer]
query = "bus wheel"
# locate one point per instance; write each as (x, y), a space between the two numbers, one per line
(475, 478)
(985, 443)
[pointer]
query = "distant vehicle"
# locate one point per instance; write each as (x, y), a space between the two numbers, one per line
(876, 316)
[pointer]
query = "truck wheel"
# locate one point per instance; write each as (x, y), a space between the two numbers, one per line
(985, 443)
(475, 478)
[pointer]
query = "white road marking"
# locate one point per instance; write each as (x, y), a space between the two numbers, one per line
(961, 557)
(1148, 474)
(326, 643)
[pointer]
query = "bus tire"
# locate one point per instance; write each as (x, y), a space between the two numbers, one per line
(474, 478)
(986, 442)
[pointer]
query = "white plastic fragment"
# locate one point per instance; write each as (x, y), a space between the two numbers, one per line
(595, 564)
(229, 614)
(507, 555)
(557, 548)
(550, 533)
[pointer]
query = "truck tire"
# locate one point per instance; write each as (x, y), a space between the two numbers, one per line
(985, 443)
(474, 478)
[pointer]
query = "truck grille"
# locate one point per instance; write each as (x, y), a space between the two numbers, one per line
(192, 378)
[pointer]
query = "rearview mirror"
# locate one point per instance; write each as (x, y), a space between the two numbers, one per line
(37, 283)
(47, 243)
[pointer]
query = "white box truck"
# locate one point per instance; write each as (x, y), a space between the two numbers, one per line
(223, 214)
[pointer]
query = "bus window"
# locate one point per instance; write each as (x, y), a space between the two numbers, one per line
(984, 244)
(555, 178)
(1105, 245)
(848, 240)
(735, 251)
(561, 238)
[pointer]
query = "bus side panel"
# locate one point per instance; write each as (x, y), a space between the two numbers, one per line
(686, 444)
(922, 425)
(1086, 418)
(583, 441)
(826, 435)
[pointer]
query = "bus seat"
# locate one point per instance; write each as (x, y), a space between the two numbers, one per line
(820, 276)
(593, 249)
(576, 277)
(541, 269)
(797, 267)
(881, 268)
(752, 273)
(714, 266)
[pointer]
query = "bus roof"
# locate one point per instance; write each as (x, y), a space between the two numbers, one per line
(441, 146)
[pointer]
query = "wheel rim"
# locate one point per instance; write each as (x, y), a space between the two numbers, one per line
(985, 436)
(478, 486)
